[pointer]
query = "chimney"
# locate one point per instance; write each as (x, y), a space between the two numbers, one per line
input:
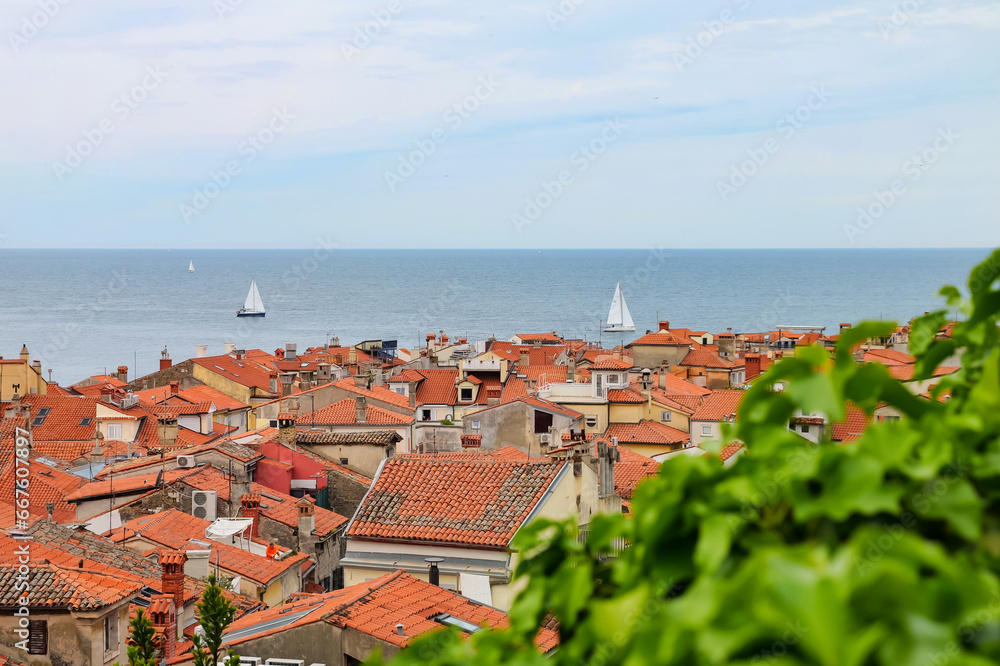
(661, 377)
(571, 367)
(379, 377)
(250, 508)
(537, 344)
(97, 453)
(286, 428)
(15, 406)
(273, 382)
(323, 373)
(307, 524)
(430, 343)
(172, 576)
(279, 354)
(752, 364)
(664, 325)
(175, 387)
(163, 615)
(240, 488)
(290, 348)
(106, 393)
(352, 356)
(165, 361)
(646, 382)
(360, 409)
(24, 352)
(199, 563)
(434, 575)
(411, 392)
(240, 353)
(287, 378)
(362, 381)
(399, 629)
(50, 507)
(845, 326)
(525, 358)
(201, 351)
(230, 347)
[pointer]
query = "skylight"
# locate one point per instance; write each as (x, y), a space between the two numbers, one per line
(86, 421)
(450, 621)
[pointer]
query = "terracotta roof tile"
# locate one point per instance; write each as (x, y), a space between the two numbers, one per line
(631, 469)
(645, 432)
(719, 405)
(63, 421)
(53, 586)
(481, 503)
(344, 412)
(703, 358)
(625, 397)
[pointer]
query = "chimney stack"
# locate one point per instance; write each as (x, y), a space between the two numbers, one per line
(752, 365)
(172, 576)
(230, 347)
(165, 361)
(240, 488)
(307, 524)
(434, 575)
(167, 431)
(664, 325)
(411, 393)
(175, 387)
(537, 344)
(525, 358)
(571, 367)
(163, 615)
(250, 508)
(201, 351)
(290, 348)
(360, 409)
(287, 378)
(24, 353)
(273, 383)
(106, 393)
(286, 428)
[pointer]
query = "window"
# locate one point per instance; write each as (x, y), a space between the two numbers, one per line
(38, 637)
(475, 425)
(401, 390)
(86, 422)
(706, 430)
(591, 421)
(543, 421)
(664, 415)
(114, 431)
(450, 621)
(343, 461)
(805, 427)
(111, 633)
(612, 379)
(425, 415)
(466, 394)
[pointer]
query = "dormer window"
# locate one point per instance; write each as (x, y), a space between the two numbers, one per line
(613, 379)
(466, 394)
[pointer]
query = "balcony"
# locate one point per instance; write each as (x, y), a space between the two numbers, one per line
(481, 365)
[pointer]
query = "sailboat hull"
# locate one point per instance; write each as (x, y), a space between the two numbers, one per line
(616, 329)
(241, 313)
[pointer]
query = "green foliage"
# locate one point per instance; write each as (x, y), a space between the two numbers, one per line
(884, 551)
(215, 613)
(446, 421)
(142, 650)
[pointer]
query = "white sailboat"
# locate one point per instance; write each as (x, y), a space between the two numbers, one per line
(619, 319)
(253, 306)
(191, 266)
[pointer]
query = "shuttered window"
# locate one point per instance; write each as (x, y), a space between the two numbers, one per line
(38, 637)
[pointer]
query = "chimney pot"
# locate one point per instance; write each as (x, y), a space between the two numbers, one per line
(664, 325)
(434, 575)
(360, 409)
(399, 629)
(174, 388)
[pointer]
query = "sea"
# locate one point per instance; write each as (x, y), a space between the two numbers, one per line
(85, 312)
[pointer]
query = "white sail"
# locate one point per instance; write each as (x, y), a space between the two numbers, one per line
(253, 302)
(191, 266)
(619, 318)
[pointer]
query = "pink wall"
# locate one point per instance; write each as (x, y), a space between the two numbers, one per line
(302, 467)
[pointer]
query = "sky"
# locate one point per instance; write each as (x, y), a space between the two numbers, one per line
(508, 124)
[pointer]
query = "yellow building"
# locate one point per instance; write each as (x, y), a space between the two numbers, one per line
(21, 376)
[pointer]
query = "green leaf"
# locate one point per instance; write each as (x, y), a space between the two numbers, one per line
(713, 542)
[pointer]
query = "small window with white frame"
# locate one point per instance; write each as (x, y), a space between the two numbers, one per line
(114, 431)
(664, 415)
(706, 430)
(591, 421)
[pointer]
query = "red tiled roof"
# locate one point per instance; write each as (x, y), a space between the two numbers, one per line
(64, 418)
(47, 484)
(855, 422)
(124, 486)
(904, 373)
(702, 358)
(504, 454)
(53, 586)
(344, 412)
(375, 392)
(630, 470)
(888, 357)
(174, 530)
(246, 372)
(438, 387)
(407, 375)
(729, 451)
(544, 355)
(645, 432)
(611, 364)
(719, 405)
(476, 503)
(661, 338)
(675, 385)
(625, 396)
(531, 337)
(541, 403)
(682, 403)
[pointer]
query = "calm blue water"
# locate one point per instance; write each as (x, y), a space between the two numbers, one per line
(81, 311)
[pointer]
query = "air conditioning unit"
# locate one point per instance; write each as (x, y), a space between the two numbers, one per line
(284, 662)
(203, 504)
(545, 438)
(272, 423)
(186, 461)
(250, 661)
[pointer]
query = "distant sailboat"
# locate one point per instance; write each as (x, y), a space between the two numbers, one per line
(619, 319)
(253, 307)
(191, 267)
